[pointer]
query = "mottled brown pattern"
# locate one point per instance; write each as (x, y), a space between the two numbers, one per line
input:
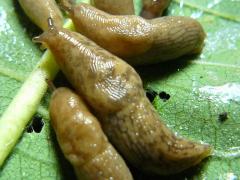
(149, 143)
(174, 37)
(40, 10)
(154, 8)
(136, 40)
(121, 35)
(123, 7)
(82, 139)
(118, 99)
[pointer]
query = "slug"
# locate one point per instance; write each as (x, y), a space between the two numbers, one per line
(82, 140)
(151, 8)
(136, 40)
(40, 10)
(154, 8)
(114, 90)
(124, 7)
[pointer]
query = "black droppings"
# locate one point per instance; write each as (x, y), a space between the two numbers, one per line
(164, 96)
(29, 129)
(223, 116)
(36, 125)
(151, 94)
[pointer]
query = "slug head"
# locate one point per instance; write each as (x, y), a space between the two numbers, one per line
(43, 38)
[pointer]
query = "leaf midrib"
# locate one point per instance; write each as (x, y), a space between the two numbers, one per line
(8, 72)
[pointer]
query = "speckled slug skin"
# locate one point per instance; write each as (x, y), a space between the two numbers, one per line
(136, 40)
(114, 90)
(40, 10)
(83, 141)
(154, 8)
(123, 7)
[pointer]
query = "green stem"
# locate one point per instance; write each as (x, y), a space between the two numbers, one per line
(26, 102)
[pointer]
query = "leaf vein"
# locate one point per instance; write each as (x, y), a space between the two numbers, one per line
(215, 64)
(210, 11)
(12, 74)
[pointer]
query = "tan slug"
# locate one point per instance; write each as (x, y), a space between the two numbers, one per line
(154, 8)
(151, 8)
(124, 7)
(82, 140)
(40, 10)
(136, 40)
(114, 90)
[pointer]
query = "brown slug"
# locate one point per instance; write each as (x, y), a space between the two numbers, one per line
(40, 10)
(123, 7)
(151, 8)
(114, 90)
(136, 40)
(154, 8)
(82, 140)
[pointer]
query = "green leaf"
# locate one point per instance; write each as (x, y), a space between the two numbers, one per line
(201, 89)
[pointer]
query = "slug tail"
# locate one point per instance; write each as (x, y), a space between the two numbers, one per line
(207, 151)
(192, 153)
(201, 44)
(178, 162)
(192, 157)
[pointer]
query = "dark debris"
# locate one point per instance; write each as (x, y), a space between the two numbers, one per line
(223, 116)
(164, 96)
(36, 125)
(151, 94)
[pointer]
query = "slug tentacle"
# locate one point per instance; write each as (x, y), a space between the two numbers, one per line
(82, 139)
(139, 41)
(52, 29)
(50, 24)
(114, 90)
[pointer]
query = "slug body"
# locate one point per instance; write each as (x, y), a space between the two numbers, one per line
(136, 40)
(123, 7)
(40, 10)
(154, 8)
(114, 90)
(82, 139)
